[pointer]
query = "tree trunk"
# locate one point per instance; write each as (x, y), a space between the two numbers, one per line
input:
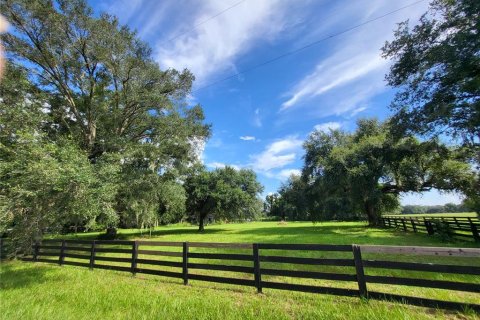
(111, 233)
(201, 226)
(372, 215)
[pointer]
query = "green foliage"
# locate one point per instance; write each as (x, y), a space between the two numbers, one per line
(437, 68)
(443, 230)
(95, 117)
(172, 202)
(48, 185)
(225, 193)
(447, 208)
(291, 202)
(368, 169)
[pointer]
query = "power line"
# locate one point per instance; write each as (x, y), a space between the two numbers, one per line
(206, 20)
(289, 53)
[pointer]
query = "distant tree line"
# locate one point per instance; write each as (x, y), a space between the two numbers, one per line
(446, 208)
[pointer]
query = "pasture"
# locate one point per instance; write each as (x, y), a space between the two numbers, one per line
(41, 291)
(437, 215)
(272, 231)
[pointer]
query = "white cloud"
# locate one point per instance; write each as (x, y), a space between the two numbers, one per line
(327, 126)
(214, 46)
(353, 59)
(217, 165)
(332, 74)
(257, 120)
(277, 154)
(358, 110)
(287, 173)
(247, 138)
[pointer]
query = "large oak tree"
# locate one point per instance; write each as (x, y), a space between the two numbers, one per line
(436, 67)
(370, 167)
(103, 95)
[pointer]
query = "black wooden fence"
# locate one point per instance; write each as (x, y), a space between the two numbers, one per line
(463, 228)
(180, 260)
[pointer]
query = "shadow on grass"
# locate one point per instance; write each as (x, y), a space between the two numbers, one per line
(12, 276)
(332, 234)
(313, 229)
(167, 232)
(148, 234)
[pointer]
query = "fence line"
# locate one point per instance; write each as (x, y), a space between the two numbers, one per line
(464, 228)
(92, 254)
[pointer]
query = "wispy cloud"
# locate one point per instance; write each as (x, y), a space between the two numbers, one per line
(277, 154)
(358, 110)
(287, 173)
(332, 74)
(247, 138)
(257, 120)
(214, 46)
(217, 165)
(353, 61)
(327, 126)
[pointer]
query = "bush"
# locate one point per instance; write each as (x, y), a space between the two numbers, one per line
(443, 230)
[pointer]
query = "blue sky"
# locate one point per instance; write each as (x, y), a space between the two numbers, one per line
(261, 118)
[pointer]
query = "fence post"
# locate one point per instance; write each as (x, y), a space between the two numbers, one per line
(185, 263)
(61, 258)
(413, 225)
(36, 250)
(362, 284)
(474, 229)
(404, 225)
(134, 256)
(429, 227)
(92, 255)
(256, 268)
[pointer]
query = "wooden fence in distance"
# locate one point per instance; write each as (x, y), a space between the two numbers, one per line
(180, 257)
(463, 228)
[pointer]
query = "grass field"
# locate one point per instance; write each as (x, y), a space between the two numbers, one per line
(291, 232)
(42, 291)
(438, 215)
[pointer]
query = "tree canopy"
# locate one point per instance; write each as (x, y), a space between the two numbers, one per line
(225, 193)
(436, 66)
(104, 88)
(369, 168)
(93, 132)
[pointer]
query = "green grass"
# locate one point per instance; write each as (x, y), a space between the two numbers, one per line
(439, 215)
(39, 291)
(42, 291)
(291, 232)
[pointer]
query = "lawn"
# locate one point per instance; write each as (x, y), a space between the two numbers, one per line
(438, 215)
(275, 232)
(43, 291)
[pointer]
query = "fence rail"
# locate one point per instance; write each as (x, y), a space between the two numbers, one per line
(256, 265)
(463, 228)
